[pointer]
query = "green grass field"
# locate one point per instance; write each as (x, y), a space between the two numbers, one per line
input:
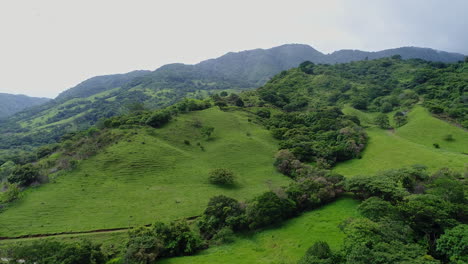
(411, 144)
(426, 130)
(286, 243)
(131, 183)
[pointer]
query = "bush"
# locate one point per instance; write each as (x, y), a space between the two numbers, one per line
(382, 121)
(186, 142)
(207, 131)
(222, 176)
(146, 244)
(47, 251)
(24, 175)
(268, 209)
(436, 145)
(263, 113)
(158, 119)
(12, 192)
(221, 212)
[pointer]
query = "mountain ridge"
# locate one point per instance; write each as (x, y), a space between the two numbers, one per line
(13, 103)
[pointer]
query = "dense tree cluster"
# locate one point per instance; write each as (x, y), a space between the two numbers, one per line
(410, 217)
(325, 136)
(53, 252)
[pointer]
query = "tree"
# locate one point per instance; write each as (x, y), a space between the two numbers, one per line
(158, 119)
(49, 251)
(207, 131)
(376, 209)
(6, 169)
(382, 121)
(12, 192)
(318, 253)
(400, 119)
(454, 244)
(263, 113)
(222, 176)
(221, 212)
(268, 209)
(24, 175)
(428, 214)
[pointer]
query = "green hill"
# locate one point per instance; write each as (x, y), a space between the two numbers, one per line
(11, 103)
(150, 174)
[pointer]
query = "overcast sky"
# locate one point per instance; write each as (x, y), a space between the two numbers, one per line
(49, 46)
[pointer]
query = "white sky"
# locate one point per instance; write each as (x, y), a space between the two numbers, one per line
(48, 46)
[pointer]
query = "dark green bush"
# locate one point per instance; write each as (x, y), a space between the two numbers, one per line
(222, 176)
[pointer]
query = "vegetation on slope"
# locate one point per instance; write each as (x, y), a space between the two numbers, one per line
(11, 104)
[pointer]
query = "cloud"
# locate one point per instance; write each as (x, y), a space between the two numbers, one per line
(48, 46)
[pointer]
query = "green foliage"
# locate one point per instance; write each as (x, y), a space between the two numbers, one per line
(323, 135)
(376, 209)
(263, 113)
(158, 119)
(454, 244)
(382, 121)
(146, 244)
(428, 214)
(221, 212)
(222, 176)
(207, 131)
(400, 119)
(53, 252)
(24, 175)
(11, 193)
(6, 169)
(319, 253)
(381, 242)
(268, 209)
(382, 186)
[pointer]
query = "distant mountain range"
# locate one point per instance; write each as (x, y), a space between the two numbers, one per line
(12, 103)
(252, 68)
(106, 96)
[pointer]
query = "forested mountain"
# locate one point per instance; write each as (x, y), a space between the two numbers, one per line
(106, 96)
(13, 103)
(98, 84)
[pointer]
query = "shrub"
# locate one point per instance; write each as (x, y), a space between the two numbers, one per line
(146, 244)
(158, 119)
(382, 121)
(263, 113)
(268, 209)
(186, 142)
(225, 235)
(24, 175)
(12, 192)
(222, 176)
(436, 145)
(47, 251)
(221, 212)
(454, 244)
(207, 131)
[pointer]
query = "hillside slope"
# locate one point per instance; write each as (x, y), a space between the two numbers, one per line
(150, 174)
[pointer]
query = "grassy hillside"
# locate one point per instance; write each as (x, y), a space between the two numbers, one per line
(151, 174)
(282, 244)
(426, 130)
(411, 144)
